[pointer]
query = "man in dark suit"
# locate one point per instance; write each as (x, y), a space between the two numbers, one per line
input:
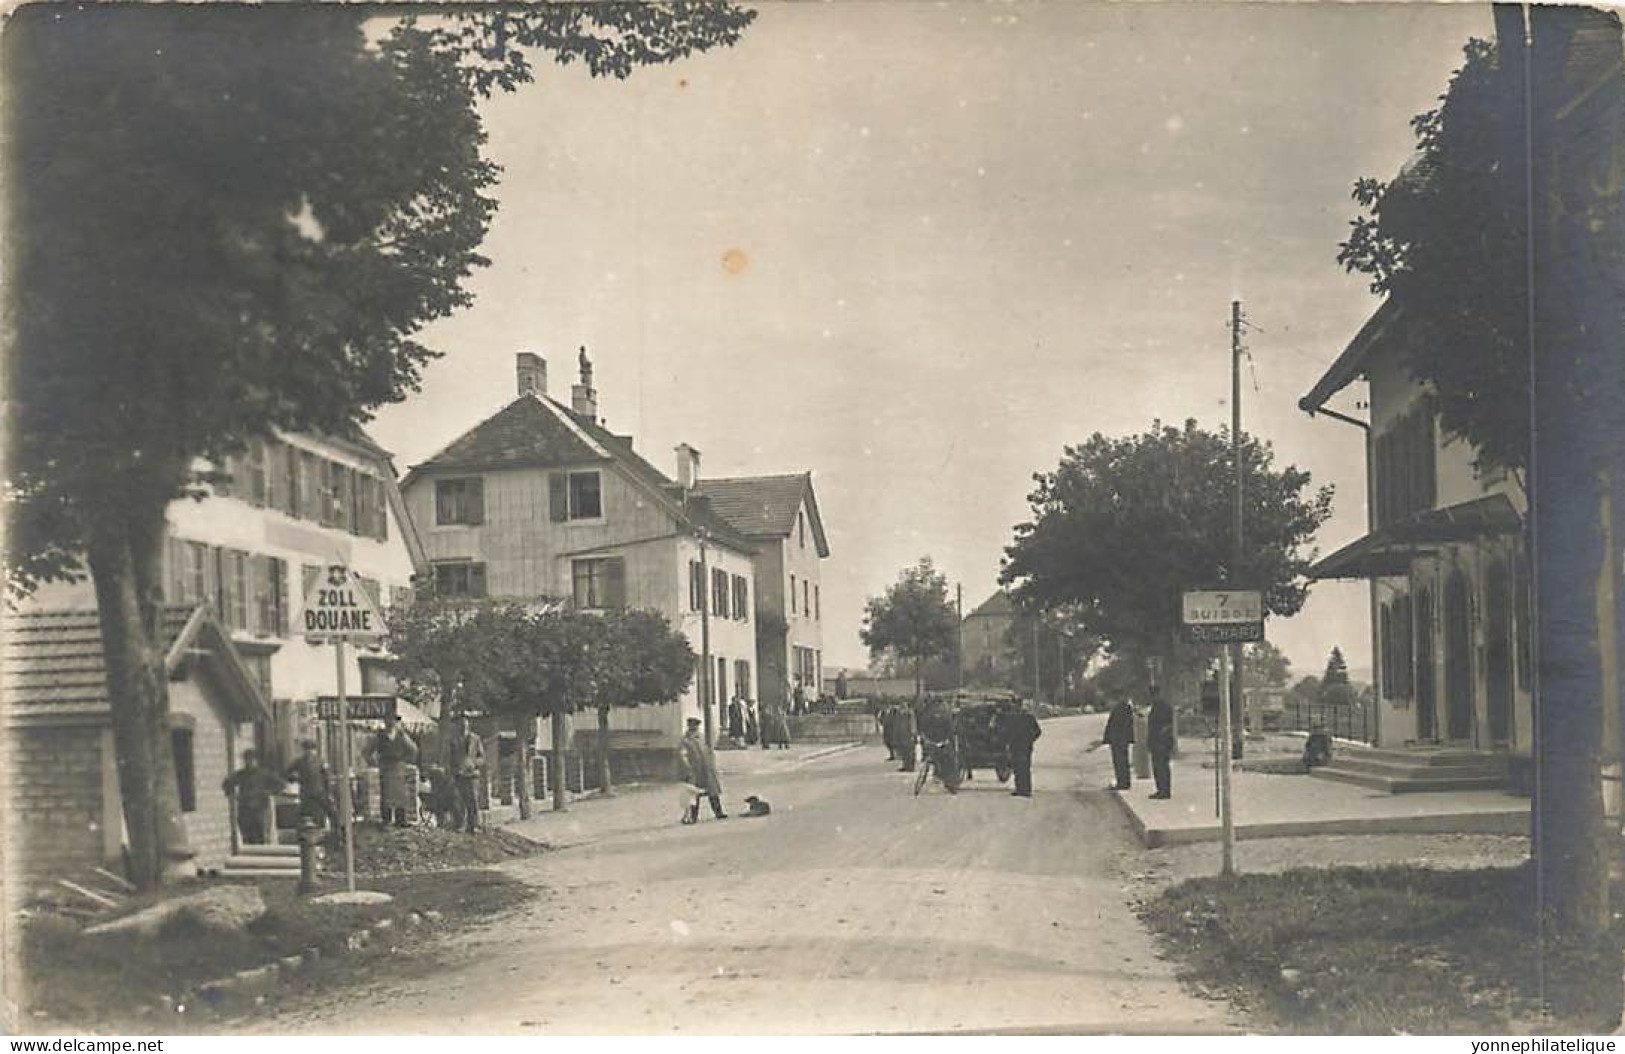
(1159, 735)
(1118, 736)
(1020, 732)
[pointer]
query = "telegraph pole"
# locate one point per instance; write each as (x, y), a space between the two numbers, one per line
(704, 685)
(959, 630)
(1236, 559)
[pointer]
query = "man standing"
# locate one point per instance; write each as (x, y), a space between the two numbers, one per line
(904, 735)
(467, 762)
(250, 789)
(700, 770)
(1021, 731)
(1119, 736)
(392, 750)
(1159, 735)
(315, 788)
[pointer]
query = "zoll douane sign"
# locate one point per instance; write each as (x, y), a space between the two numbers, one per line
(1224, 616)
(337, 608)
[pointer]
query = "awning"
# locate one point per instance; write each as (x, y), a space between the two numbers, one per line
(1389, 550)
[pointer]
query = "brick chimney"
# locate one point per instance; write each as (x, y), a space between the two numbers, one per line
(688, 466)
(583, 396)
(530, 370)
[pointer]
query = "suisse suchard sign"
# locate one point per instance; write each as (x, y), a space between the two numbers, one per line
(338, 608)
(1224, 616)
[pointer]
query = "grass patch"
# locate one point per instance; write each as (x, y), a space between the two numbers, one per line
(1387, 950)
(115, 981)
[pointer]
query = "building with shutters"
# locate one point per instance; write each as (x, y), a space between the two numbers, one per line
(1444, 556)
(288, 505)
(540, 500)
(779, 514)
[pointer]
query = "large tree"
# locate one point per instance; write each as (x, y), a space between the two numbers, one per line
(225, 220)
(1122, 526)
(913, 620)
(1517, 330)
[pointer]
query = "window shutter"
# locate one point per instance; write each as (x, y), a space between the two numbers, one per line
(476, 580)
(381, 509)
(558, 497)
(279, 583)
(291, 495)
(476, 500)
(615, 579)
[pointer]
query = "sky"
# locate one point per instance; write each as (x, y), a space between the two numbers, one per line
(917, 248)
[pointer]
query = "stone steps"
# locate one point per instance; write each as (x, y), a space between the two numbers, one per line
(1417, 771)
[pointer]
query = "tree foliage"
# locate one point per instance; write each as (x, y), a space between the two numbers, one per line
(224, 220)
(1123, 526)
(1264, 664)
(914, 618)
(1446, 241)
(1334, 683)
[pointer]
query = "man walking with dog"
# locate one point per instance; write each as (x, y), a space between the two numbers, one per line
(700, 772)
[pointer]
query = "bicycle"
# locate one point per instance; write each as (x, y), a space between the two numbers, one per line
(933, 754)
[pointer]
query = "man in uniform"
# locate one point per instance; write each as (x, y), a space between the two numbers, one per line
(1119, 735)
(700, 770)
(1021, 731)
(250, 789)
(1159, 735)
(392, 750)
(315, 789)
(467, 762)
(903, 735)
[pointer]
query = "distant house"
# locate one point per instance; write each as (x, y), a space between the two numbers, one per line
(1444, 554)
(65, 810)
(985, 649)
(541, 500)
(779, 514)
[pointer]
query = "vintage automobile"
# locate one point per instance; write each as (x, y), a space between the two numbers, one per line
(981, 737)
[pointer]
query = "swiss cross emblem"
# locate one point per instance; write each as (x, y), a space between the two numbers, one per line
(337, 576)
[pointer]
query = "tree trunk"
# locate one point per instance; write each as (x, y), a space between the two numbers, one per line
(604, 783)
(561, 790)
(522, 726)
(123, 559)
(1578, 420)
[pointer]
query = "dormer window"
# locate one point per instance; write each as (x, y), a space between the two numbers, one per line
(575, 496)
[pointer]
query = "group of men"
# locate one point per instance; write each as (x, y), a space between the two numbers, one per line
(939, 730)
(1159, 733)
(252, 787)
(747, 726)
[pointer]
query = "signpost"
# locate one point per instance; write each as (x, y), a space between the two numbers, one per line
(338, 609)
(1224, 617)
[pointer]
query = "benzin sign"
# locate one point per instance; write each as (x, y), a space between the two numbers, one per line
(1223, 616)
(337, 608)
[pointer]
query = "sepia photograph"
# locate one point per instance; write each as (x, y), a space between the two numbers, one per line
(732, 518)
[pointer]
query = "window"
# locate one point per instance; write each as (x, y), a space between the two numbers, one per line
(1405, 463)
(235, 596)
(792, 594)
(270, 578)
(574, 496)
(459, 578)
(276, 475)
(818, 604)
(459, 501)
(801, 528)
(180, 743)
(310, 486)
(741, 598)
(721, 691)
(696, 586)
(806, 608)
(742, 679)
(599, 584)
(719, 592)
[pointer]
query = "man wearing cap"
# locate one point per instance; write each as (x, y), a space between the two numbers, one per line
(315, 787)
(467, 761)
(700, 770)
(250, 789)
(392, 750)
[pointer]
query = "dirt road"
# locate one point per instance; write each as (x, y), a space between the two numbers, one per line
(855, 907)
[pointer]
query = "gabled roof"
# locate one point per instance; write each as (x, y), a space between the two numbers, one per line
(534, 431)
(1351, 363)
(52, 667)
(997, 605)
(766, 506)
